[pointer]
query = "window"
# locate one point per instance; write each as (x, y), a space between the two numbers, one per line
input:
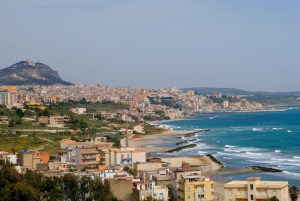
(188, 196)
(202, 195)
(188, 188)
(230, 192)
(154, 194)
(161, 196)
(128, 155)
(274, 193)
(251, 197)
(251, 186)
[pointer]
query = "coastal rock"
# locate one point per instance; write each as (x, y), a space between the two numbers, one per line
(190, 134)
(186, 142)
(182, 148)
(214, 159)
(265, 169)
(246, 104)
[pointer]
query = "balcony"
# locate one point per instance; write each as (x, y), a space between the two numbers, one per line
(261, 197)
(241, 197)
(125, 158)
(88, 158)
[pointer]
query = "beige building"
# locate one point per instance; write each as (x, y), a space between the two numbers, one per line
(126, 156)
(56, 120)
(144, 166)
(254, 189)
(4, 120)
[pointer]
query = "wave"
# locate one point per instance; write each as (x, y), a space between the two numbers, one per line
(202, 152)
(296, 157)
(277, 128)
(291, 173)
(221, 153)
(251, 153)
(256, 129)
(277, 151)
(229, 146)
(232, 150)
(289, 131)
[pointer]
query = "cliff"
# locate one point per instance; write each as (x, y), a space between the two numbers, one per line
(28, 73)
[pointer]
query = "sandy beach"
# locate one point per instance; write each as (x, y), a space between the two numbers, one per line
(207, 166)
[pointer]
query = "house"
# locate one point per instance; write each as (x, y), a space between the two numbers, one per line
(78, 110)
(4, 120)
(255, 189)
(139, 129)
(137, 166)
(121, 187)
(56, 120)
(44, 120)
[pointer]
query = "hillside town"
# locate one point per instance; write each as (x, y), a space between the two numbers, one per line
(172, 102)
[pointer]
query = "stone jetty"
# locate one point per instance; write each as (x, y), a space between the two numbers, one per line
(214, 159)
(265, 169)
(182, 148)
(186, 142)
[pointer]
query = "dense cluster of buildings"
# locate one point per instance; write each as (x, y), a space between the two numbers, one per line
(148, 176)
(142, 102)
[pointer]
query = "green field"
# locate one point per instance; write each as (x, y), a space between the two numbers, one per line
(19, 143)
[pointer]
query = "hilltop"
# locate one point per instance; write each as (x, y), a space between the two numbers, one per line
(28, 72)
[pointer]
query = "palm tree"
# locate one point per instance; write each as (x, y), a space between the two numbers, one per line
(294, 191)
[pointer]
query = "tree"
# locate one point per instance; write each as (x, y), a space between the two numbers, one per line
(294, 191)
(23, 191)
(11, 123)
(274, 198)
(20, 112)
(85, 187)
(71, 187)
(52, 188)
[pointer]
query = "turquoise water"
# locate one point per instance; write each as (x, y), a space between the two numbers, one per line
(270, 139)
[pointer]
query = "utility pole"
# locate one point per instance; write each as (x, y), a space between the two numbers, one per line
(126, 132)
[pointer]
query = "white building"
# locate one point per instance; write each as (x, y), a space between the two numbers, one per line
(79, 110)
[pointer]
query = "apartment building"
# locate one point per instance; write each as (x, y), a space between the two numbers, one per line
(86, 157)
(254, 189)
(56, 120)
(195, 188)
(126, 156)
(5, 98)
(145, 165)
(176, 178)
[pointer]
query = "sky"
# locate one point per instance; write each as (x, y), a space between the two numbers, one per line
(250, 45)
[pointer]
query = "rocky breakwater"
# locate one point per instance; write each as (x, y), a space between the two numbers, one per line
(265, 169)
(215, 160)
(194, 133)
(186, 142)
(182, 148)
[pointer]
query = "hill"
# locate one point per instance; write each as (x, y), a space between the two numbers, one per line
(28, 72)
(234, 91)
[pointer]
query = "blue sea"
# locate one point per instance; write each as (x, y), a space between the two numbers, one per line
(270, 139)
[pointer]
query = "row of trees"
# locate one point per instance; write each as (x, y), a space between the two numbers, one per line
(34, 186)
